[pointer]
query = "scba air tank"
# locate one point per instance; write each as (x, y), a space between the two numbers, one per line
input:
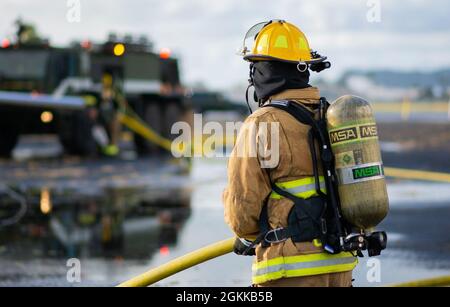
(359, 170)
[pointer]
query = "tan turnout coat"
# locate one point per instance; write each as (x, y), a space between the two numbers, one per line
(249, 185)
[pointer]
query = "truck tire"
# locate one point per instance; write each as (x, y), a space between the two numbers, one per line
(8, 140)
(152, 116)
(75, 134)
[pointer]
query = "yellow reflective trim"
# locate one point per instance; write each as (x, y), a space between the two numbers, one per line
(317, 243)
(322, 256)
(299, 182)
(304, 195)
(281, 42)
(266, 263)
(268, 277)
(300, 258)
(302, 44)
(304, 272)
(282, 273)
(322, 270)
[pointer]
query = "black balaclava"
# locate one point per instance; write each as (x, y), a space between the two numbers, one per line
(272, 77)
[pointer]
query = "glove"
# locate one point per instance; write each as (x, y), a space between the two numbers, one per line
(241, 246)
(318, 67)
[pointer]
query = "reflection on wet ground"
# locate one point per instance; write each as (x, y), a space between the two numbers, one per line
(35, 251)
(101, 211)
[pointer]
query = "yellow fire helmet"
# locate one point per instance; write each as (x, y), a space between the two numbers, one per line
(278, 40)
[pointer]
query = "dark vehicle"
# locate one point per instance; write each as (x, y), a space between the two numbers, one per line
(44, 90)
(214, 101)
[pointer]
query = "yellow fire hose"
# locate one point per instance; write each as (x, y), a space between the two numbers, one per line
(133, 121)
(137, 125)
(184, 262)
(224, 247)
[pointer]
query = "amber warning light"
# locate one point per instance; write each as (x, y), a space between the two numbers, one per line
(119, 49)
(164, 53)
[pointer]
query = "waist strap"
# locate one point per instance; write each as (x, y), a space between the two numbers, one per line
(305, 221)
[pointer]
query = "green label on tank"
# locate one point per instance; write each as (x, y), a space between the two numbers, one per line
(366, 172)
(360, 173)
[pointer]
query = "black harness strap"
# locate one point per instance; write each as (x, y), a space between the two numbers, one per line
(287, 105)
(305, 117)
(302, 207)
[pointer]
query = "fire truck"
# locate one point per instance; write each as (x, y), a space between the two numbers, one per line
(44, 89)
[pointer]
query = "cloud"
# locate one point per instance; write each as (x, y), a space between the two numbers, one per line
(205, 34)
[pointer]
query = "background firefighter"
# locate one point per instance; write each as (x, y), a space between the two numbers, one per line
(280, 58)
(108, 117)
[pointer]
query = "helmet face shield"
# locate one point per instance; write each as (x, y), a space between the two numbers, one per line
(249, 39)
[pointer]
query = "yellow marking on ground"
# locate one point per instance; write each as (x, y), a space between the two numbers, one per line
(416, 174)
(442, 281)
(413, 107)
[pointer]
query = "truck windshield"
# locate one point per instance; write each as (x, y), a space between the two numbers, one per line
(23, 64)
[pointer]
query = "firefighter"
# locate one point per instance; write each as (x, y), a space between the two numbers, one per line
(280, 60)
(108, 117)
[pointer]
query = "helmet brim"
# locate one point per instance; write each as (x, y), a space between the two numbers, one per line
(256, 58)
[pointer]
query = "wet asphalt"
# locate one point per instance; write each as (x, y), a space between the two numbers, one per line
(418, 230)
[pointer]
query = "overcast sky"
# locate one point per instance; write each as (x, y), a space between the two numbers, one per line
(205, 34)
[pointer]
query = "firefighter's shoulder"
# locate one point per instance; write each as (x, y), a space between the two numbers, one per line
(264, 114)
